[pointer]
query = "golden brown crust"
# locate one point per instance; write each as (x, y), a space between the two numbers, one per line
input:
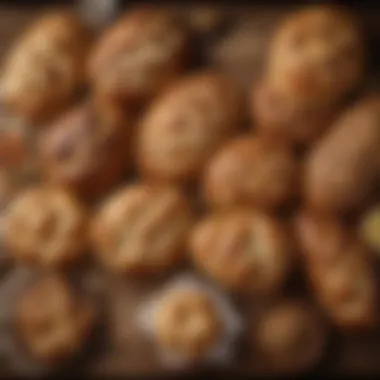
(186, 125)
(46, 66)
(291, 336)
(347, 289)
(281, 117)
(251, 171)
(138, 55)
(87, 149)
(45, 226)
(317, 54)
(342, 171)
(187, 323)
(142, 229)
(52, 320)
(340, 271)
(243, 251)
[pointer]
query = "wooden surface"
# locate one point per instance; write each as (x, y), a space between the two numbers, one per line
(120, 349)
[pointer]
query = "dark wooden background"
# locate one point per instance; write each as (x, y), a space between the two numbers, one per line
(125, 352)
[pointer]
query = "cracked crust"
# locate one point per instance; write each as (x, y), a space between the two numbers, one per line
(46, 67)
(45, 226)
(251, 171)
(187, 322)
(243, 251)
(88, 149)
(138, 55)
(317, 54)
(185, 125)
(141, 229)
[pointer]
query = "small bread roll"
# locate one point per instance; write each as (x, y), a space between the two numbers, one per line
(340, 271)
(290, 336)
(281, 117)
(141, 229)
(87, 149)
(317, 55)
(251, 171)
(185, 125)
(45, 226)
(342, 171)
(138, 55)
(347, 290)
(53, 321)
(187, 322)
(191, 323)
(45, 67)
(243, 251)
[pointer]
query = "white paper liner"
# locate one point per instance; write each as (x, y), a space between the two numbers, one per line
(224, 350)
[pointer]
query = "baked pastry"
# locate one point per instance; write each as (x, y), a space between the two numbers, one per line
(187, 322)
(251, 171)
(342, 171)
(53, 321)
(347, 290)
(278, 116)
(45, 67)
(317, 55)
(190, 323)
(315, 59)
(88, 149)
(185, 125)
(142, 229)
(45, 226)
(290, 336)
(340, 271)
(138, 55)
(243, 251)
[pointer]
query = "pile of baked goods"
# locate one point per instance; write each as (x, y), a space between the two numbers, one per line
(117, 151)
